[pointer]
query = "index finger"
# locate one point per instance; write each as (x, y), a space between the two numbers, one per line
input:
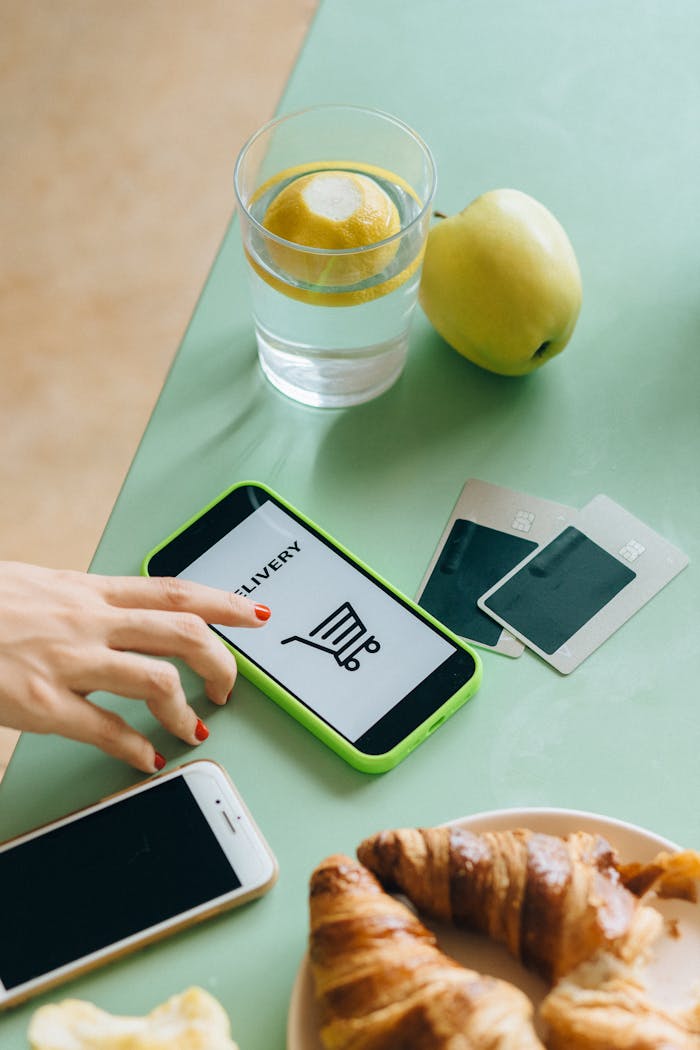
(173, 594)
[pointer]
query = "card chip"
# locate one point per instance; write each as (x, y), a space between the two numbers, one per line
(632, 550)
(523, 521)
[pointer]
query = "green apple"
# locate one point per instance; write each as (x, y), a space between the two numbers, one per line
(501, 282)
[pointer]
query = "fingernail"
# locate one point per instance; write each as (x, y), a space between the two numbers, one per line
(159, 761)
(201, 731)
(262, 612)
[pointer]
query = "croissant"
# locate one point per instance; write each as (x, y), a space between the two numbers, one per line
(383, 984)
(603, 1005)
(552, 902)
(193, 1020)
(667, 875)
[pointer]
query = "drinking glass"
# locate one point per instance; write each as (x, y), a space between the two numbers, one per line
(332, 325)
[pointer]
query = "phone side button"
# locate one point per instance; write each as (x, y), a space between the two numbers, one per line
(436, 724)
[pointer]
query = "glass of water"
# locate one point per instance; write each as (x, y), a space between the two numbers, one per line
(332, 308)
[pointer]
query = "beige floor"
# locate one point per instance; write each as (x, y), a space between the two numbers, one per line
(119, 126)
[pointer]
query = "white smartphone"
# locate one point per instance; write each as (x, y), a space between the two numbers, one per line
(126, 871)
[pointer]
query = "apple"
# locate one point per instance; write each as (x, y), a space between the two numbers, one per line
(501, 283)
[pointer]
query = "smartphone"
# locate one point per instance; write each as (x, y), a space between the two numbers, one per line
(357, 663)
(126, 871)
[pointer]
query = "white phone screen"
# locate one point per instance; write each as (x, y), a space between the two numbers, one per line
(336, 640)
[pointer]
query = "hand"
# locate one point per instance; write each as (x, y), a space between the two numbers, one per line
(64, 634)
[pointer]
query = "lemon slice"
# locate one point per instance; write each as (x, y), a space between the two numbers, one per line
(335, 206)
(336, 211)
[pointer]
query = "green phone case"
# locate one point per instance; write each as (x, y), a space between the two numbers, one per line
(364, 762)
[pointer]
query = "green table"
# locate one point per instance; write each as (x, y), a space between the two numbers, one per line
(592, 108)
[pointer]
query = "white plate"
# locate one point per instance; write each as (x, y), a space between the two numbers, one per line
(670, 977)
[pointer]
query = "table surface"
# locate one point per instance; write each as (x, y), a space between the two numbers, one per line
(591, 108)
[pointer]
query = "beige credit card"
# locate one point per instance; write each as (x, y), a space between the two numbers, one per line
(569, 596)
(490, 531)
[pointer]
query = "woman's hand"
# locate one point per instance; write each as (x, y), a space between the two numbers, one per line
(65, 634)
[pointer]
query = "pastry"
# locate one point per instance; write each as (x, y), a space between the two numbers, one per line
(382, 983)
(667, 875)
(193, 1020)
(553, 902)
(604, 1005)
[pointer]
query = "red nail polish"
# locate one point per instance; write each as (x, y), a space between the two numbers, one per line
(262, 612)
(159, 761)
(201, 731)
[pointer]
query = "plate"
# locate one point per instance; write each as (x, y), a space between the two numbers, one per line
(670, 976)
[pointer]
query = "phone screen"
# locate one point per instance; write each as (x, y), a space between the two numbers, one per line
(339, 641)
(106, 876)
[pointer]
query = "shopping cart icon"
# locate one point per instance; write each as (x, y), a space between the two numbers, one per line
(343, 635)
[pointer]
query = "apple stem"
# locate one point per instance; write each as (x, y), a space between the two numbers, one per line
(542, 348)
(439, 215)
